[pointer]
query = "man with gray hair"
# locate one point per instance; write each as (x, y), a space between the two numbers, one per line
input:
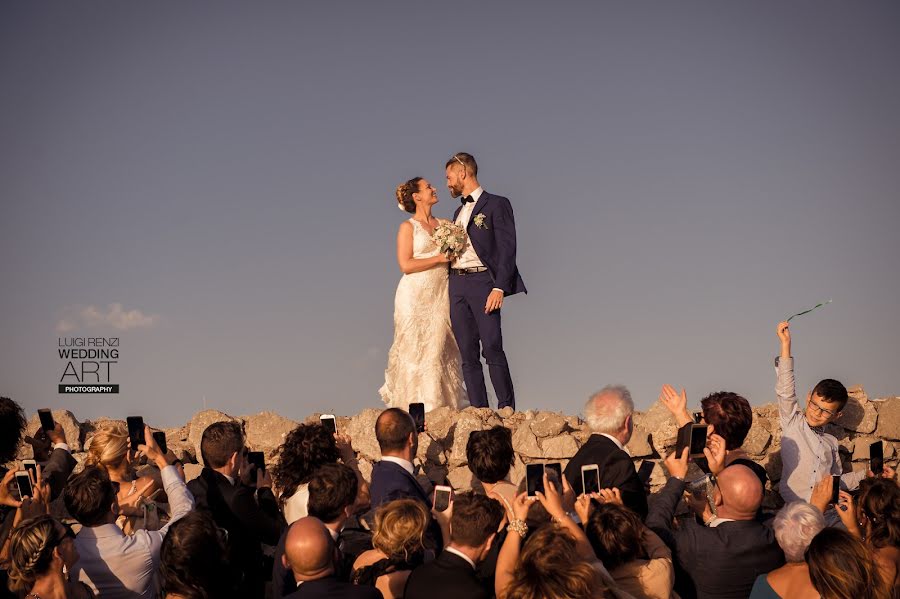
(609, 415)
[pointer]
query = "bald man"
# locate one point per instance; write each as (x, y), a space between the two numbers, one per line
(721, 558)
(309, 554)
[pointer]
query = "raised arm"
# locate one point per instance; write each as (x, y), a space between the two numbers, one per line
(785, 388)
(676, 404)
(408, 264)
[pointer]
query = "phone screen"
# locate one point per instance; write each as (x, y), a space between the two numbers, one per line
(24, 483)
(441, 499)
(135, 431)
(329, 423)
(684, 438)
(876, 458)
(46, 417)
(554, 474)
(30, 466)
(160, 438)
(645, 471)
(417, 411)
(835, 487)
(258, 459)
(698, 440)
(534, 479)
(590, 479)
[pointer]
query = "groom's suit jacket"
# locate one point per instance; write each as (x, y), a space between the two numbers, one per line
(495, 243)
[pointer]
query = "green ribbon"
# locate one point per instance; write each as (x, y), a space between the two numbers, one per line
(810, 310)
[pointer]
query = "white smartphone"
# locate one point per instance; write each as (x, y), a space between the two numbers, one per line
(23, 480)
(328, 421)
(590, 479)
(442, 496)
(30, 466)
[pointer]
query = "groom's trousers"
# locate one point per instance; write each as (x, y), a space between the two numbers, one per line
(472, 327)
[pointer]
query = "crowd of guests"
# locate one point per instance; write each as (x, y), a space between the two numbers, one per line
(311, 525)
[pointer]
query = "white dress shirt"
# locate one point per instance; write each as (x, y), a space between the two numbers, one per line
(468, 259)
(617, 442)
(405, 464)
(460, 554)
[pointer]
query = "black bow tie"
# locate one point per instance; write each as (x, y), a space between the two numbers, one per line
(466, 200)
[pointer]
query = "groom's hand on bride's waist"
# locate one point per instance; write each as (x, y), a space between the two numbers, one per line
(494, 301)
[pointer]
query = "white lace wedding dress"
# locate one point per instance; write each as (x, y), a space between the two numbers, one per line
(424, 363)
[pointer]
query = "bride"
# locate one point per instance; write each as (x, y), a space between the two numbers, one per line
(424, 364)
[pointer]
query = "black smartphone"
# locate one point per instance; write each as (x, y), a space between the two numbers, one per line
(876, 458)
(328, 421)
(534, 479)
(645, 471)
(554, 474)
(258, 459)
(24, 483)
(684, 438)
(698, 440)
(590, 479)
(160, 438)
(417, 411)
(46, 417)
(835, 488)
(442, 498)
(30, 466)
(136, 431)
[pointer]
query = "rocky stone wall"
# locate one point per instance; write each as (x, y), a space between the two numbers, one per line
(537, 436)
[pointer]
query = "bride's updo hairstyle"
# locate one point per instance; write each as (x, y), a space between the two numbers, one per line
(405, 192)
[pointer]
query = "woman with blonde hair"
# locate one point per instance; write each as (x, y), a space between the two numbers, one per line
(109, 450)
(41, 550)
(399, 547)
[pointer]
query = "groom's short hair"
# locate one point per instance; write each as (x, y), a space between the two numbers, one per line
(392, 429)
(466, 160)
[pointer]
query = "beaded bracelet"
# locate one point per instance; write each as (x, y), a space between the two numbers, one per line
(518, 526)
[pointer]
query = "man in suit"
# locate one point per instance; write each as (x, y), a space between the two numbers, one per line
(309, 554)
(473, 527)
(247, 509)
(480, 279)
(722, 557)
(609, 415)
(332, 493)
(394, 476)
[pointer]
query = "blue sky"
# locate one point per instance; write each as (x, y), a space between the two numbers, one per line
(213, 183)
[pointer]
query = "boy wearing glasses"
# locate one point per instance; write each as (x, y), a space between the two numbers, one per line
(808, 453)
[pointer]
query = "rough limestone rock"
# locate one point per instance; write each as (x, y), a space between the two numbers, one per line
(525, 443)
(430, 451)
(561, 447)
(858, 414)
(462, 479)
(861, 451)
(198, 424)
(192, 471)
(757, 439)
(438, 423)
(465, 424)
(71, 427)
(547, 424)
(365, 468)
(266, 431)
(888, 418)
(639, 444)
(663, 430)
(362, 434)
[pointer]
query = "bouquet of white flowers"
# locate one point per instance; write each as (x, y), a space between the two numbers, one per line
(450, 238)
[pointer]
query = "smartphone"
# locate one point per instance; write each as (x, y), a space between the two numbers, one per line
(835, 488)
(46, 417)
(534, 479)
(698, 440)
(160, 438)
(590, 479)
(417, 411)
(24, 482)
(136, 431)
(876, 458)
(645, 471)
(30, 466)
(698, 417)
(554, 474)
(328, 421)
(258, 459)
(684, 438)
(442, 498)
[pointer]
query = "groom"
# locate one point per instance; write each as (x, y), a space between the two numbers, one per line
(479, 280)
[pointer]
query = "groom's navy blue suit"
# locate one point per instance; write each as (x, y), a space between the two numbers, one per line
(495, 243)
